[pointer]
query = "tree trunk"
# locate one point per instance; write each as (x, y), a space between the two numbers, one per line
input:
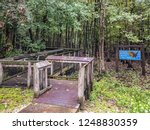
(102, 37)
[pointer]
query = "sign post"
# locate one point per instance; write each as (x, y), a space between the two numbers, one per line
(129, 54)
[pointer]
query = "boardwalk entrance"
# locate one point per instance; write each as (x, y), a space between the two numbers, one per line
(64, 95)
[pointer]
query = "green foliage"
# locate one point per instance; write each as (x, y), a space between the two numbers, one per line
(13, 98)
(36, 47)
(116, 95)
(12, 53)
(128, 21)
(134, 39)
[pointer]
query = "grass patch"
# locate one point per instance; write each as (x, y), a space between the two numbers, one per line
(121, 92)
(12, 99)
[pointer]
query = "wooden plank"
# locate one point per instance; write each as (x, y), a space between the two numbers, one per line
(29, 75)
(129, 46)
(15, 62)
(52, 68)
(16, 66)
(46, 78)
(63, 77)
(81, 82)
(117, 59)
(36, 81)
(92, 74)
(63, 70)
(42, 64)
(48, 108)
(143, 61)
(1, 73)
(88, 81)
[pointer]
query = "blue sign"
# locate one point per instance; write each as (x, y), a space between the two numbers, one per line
(129, 55)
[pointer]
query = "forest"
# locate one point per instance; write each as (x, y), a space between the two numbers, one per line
(96, 27)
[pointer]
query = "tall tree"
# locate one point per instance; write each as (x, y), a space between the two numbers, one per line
(102, 36)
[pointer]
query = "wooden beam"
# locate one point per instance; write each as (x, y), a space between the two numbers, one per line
(129, 46)
(36, 81)
(16, 66)
(29, 75)
(81, 84)
(52, 68)
(1, 73)
(117, 59)
(63, 70)
(143, 61)
(88, 81)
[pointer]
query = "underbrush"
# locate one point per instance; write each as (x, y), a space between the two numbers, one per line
(12, 99)
(120, 92)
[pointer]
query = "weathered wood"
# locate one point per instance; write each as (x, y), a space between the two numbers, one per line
(71, 59)
(143, 61)
(129, 46)
(10, 77)
(80, 65)
(46, 77)
(52, 68)
(88, 81)
(63, 77)
(1, 73)
(40, 77)
(15, 62)
(42, 64)
(16, 66)
(91, 75)
(63, 70)
(81, 83)
(29, 75)
(62, 66)
(36, 81)
(117, 59)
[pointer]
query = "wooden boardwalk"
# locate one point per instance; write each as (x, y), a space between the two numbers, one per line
(61, 98)
(64, 95)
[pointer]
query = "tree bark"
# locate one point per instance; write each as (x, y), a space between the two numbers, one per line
(102, 37)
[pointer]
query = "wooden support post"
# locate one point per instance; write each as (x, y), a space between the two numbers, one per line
(62, 65)
(46, 78)
(80, 65)
(52, 68)
(29, 75)
(91, 74)
(117, 59)
(1, 73)
(88, 81)
(81, 97)
(74, 53)
(143, 61)
(36, 81)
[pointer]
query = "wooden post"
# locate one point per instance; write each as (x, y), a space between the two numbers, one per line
(62, 65)
(88, 81)
(143, 61)
(91, 74)
(46, 80)
(74, 53)
(117, 59)
(36, 81)
(1, 73)
(80, 65)
(52, 68)
(81, 82)
(29, 76)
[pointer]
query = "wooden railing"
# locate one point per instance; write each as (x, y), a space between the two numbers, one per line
(85, 80)
(40, 75)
